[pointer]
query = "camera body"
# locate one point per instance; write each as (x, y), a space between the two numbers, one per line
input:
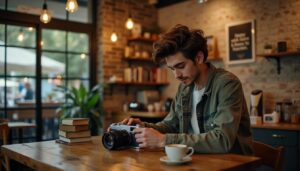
(119, 136)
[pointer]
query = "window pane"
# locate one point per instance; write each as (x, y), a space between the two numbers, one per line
(25, 6)
(78, 42)
(21, 92)
(2, 60)
(2, 114)
(21, 36)
(2, 34)
(49, 93)
(53, 64)
(82, 14)
(76, 83)
(20, 61)
(78, 66)
(2, 4)
(2, 91)
(54, 40)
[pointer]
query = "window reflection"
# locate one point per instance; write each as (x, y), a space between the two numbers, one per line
(20, 36)
(54, 40)
(78, 42)
(53, 64)
(78, 66)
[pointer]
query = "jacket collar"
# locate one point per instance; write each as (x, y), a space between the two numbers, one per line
(188, 89)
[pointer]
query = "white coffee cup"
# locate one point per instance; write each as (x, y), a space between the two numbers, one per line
(176, 152)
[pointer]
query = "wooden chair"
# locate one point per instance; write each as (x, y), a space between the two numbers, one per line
(4, 131)
(270, 156)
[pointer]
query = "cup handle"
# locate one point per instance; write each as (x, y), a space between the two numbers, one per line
(191, 149)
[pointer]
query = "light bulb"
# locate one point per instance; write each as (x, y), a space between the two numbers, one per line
(72, 6)
(113, 37)
(21, 36)
(45, 16)
(82, 56)
(30, 29)
(129, 23)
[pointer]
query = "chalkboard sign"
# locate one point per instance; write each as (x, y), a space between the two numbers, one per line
(240, 42)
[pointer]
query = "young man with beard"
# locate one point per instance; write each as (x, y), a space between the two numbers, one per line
(209, 112)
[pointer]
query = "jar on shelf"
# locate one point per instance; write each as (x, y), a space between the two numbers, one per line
(287, 112)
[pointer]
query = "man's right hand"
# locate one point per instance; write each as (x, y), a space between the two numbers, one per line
(132, 121)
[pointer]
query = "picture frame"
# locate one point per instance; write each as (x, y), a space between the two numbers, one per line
(211, 42)
(240, 42)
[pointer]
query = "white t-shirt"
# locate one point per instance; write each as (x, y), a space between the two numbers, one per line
(197, 96)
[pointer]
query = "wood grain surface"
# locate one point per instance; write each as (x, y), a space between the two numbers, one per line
(49, 155)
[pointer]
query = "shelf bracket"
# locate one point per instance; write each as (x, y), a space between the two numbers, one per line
(278, 61)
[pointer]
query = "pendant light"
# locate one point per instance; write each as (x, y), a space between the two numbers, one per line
(72, 6)
(114, 36)
(129, 23)
(45, 16)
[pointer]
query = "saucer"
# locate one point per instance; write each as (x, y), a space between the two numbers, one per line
(165, 159)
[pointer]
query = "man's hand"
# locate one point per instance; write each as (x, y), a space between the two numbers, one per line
(149, 137)
(132, 121)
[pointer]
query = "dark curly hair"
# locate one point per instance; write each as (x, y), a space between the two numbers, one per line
(180, 39)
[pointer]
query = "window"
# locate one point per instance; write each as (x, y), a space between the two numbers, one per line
(35, 59)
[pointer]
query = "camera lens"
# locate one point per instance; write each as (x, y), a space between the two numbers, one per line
(116, 139)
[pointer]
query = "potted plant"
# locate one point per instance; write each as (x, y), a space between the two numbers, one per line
(81, 103)
(268, 48)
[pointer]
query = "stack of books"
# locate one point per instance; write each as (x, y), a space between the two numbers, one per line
(74, 130)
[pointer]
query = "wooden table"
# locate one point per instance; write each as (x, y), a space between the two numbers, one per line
(49, 155)
(20, 126)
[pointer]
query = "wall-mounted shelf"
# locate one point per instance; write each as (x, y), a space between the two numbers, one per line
(214, 59)
(278, 56)
(127, 84)
(141, 39)
(132, 59)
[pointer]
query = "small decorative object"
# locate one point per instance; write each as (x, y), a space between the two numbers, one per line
(268, 48)
(212, 47)
(281, 46)
(241, 42)
(137, 30)
(147, 35)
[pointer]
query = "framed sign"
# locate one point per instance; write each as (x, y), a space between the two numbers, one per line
(241, 42)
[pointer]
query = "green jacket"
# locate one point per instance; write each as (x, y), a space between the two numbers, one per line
(222, 116)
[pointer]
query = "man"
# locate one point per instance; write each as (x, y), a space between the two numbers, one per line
(27, 92)
(209, 112)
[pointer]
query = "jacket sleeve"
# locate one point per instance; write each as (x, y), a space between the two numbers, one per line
(225, 123)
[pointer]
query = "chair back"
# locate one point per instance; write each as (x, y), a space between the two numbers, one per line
(270, 156)
(4, 131)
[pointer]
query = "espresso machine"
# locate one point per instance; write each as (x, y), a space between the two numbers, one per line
(256, 103)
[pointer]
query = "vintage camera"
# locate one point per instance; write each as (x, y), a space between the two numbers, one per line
(119, 137)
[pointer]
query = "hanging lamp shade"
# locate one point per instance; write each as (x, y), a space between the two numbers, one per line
(72, 6)
(45, 16)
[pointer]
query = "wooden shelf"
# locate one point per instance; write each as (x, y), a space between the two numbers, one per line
(139, 83)
(141, 39)
(131, 59)
(215, 59)
(278, 56)
(127, 84)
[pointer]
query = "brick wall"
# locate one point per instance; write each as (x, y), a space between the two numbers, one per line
(112, 15)
(276, 20)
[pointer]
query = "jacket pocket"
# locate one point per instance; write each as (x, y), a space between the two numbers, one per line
(209, 123)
